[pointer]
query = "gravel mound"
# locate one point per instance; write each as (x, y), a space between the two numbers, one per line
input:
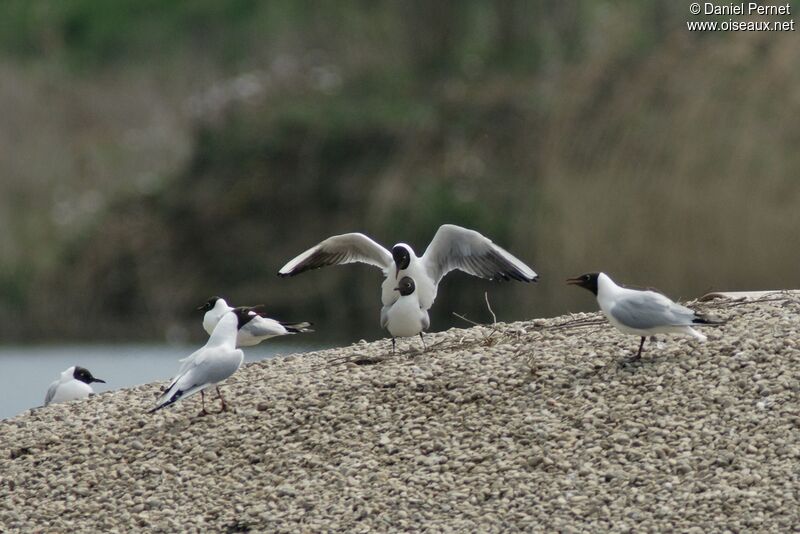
(534, 426)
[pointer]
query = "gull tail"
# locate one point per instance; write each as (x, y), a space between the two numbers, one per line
(707, 319)
(166, 400)
(297, 328)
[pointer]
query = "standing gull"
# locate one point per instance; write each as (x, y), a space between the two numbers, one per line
(255, 330)
(73, 384)
(405, 318)
(217, 360)
(641, 312)
(452, 248)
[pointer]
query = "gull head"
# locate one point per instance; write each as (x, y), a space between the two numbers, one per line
(405, 286)
(209, 304)
(243, 315)
(401, 253)
(587, 281)
(83, 374)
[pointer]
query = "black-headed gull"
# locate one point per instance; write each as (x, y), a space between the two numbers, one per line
(452, 248)
(641, 312)
(217, 360)
(405, 317)
(254, 331)
(73, 384)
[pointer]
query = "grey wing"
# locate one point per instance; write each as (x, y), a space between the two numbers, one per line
(51, 392)
(189, 380)
(198, 370)
(186, 364)
(337, 250)
(648, 309)
(454, 247)
(264, 326)
(216, 365)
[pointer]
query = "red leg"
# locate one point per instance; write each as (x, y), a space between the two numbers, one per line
(203, 400)
(222, 401)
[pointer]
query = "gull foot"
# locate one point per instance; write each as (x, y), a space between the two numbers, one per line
(630, 361)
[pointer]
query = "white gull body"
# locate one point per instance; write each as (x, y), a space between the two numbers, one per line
(256, 330)
(405, 317)
(217, 360)
(68, 387)
(644, 312)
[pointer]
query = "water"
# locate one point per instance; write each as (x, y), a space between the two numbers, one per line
(26, 372)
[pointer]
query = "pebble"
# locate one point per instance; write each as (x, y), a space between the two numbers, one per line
(540, 429)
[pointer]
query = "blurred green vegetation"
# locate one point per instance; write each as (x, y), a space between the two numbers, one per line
(167, 151)
(90, 34)
(436, 39)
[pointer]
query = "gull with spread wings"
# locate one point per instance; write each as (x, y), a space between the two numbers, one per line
(453, 247)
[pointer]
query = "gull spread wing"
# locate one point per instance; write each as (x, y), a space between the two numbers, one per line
(337, 250)
(454, 247)
(647, 309)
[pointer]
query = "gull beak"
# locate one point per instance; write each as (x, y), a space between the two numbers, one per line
(574, 281)
(396, 272)
(98, 380)
(397, 289)
(201, 307)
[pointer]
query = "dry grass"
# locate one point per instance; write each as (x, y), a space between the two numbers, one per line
(675, 167)
(685, 176)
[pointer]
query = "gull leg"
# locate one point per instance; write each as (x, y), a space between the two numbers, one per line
(636, 357)
(222, 401)
(424, 346)
(641, 346)
(203, 400)
(393, 344)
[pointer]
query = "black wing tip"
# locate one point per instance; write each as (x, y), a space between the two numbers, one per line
(298, 328)
(508, 276)
(154, 410)
(164, 405)
(711, 321)
(172, 400)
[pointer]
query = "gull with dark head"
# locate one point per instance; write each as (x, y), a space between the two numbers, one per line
(453, 247)
(74, 383)
(405, 317)
(257, 329)
(641, 312)
(217, 360)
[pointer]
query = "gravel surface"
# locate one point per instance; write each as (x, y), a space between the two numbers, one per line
(533, 426)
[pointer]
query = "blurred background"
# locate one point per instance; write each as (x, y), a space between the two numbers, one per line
(154, 153)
